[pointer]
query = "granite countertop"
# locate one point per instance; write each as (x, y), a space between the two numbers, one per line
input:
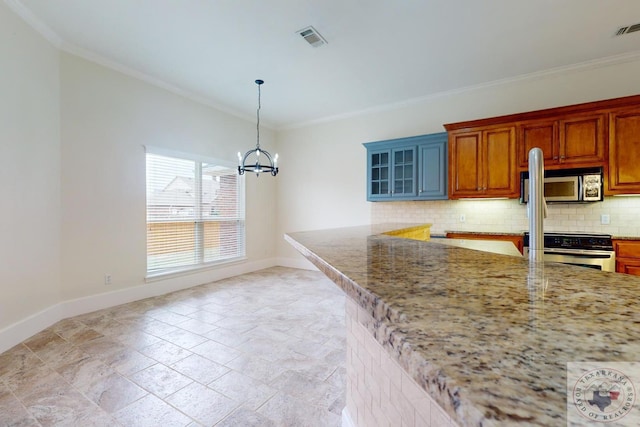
(486, 233)
(511, 233)
(487, 335)
(626, 238)
(494, 246)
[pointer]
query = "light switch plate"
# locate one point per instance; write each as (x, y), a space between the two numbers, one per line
(605, 219)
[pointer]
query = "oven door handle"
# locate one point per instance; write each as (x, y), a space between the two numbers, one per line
(582, 254)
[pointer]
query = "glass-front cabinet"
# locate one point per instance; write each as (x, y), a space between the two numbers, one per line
(404, 172)
(379, 170)
(411, 168)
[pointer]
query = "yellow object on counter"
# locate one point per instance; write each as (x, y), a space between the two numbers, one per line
(420, 232)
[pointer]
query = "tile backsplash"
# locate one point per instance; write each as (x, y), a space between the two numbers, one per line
(510, 216)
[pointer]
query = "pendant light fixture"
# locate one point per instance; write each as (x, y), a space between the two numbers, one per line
(258, 160)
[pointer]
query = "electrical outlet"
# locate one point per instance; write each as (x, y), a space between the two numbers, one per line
(605, 219)
(463, 218)
(107, 279)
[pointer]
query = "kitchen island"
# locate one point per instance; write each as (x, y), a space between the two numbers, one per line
(445, 335)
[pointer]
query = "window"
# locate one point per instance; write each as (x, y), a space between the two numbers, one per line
(195, 212)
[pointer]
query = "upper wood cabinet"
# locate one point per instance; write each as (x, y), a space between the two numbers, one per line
(542, 134)
(600, 133)
(624, 152)
(576, 140)
(482, 163)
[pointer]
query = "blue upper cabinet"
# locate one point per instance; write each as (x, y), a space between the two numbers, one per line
(379, 174)
(412, 168)
(432, 175)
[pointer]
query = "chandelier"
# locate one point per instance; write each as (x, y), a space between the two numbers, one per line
(257, 160)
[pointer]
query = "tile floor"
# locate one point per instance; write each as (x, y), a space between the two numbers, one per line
(261, 349)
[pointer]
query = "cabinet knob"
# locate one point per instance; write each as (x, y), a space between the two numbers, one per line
(561, 157)
(555, 158)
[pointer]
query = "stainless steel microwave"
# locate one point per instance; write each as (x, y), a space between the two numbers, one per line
(568, 186)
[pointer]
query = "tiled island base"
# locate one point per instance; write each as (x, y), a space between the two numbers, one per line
(379, 391)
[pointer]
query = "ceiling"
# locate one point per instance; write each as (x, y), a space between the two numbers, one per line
(380, 53)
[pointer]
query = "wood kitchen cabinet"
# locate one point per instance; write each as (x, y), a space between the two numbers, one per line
(627, 256)
(482, 163)
(542, 134)
(624, 152)
(517, 240)
(576, 140)
(593, 134)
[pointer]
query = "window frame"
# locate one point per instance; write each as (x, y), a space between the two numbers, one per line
(199, 221)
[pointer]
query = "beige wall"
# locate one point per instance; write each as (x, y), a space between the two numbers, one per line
(325, 186)
(72, 178)
(29, 171)
(107, 118)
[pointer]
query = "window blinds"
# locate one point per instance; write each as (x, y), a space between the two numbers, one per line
(195, 212)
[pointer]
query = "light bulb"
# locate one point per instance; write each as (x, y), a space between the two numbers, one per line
(275, 161)
(239, 159)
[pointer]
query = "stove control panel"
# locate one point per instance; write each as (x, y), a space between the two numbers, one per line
(575, 241)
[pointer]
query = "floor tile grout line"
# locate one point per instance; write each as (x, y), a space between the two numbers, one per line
(139, 320)
(165, 400)
(26, 410)
(69, 385)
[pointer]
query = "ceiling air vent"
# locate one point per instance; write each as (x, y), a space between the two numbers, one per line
(629, 29)
(312, 36)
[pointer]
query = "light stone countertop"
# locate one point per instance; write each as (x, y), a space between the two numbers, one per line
(486, 335)
(494, 246)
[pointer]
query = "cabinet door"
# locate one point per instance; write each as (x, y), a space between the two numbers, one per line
(624, 152)
(627, 248)
(499, 163)
(627, 256)
(628, 266)
(465, 160)
(432, 176)
(543, 135)
(404, 167)
(379, 175)
(582, 140)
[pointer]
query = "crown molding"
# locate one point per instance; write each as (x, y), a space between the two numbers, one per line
(131, 72)
(34, 22)
(38, 25)
(52, 37)
(582, 66)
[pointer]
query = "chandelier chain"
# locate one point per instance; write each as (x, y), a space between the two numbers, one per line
(258, 121)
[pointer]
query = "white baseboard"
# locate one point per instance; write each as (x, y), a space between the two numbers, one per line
(25, 328)
(346, 418)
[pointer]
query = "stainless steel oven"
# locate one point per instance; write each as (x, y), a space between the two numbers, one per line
(586, 250)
